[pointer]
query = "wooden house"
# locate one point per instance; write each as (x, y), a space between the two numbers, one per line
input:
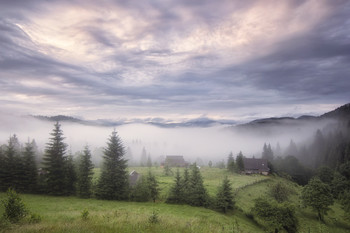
(255, 166)
(175, 161)
(133, 178)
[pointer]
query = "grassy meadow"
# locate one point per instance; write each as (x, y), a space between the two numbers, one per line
(65, 214)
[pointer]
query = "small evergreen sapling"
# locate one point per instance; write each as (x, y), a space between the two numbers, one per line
(15, 209)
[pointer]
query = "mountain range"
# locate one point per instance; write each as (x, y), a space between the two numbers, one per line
(343, 113)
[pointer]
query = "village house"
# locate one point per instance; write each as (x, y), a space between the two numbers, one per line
(255, 166)
(175, 161)
(133, 178)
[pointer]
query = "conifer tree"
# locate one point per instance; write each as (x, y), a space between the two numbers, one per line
(239, 162)
(231, 163)
(153, 186)
(197, 194)
(85, 174)
(167, 170)
(2, 170)
(140, 192)
(54, 162)
(176, 194)
(143, 161)
(267, 152)
(224, 197)
(30, 177)
(13, 169)
(113, 183)
(149, 161)
(70, 175)
(186, 183)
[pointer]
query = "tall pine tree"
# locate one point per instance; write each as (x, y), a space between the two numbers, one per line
(30, 178)
(176, 194)
(197, 194)
(70, 175)
(2, 170)
(113, 183)
(85, 173)
(153, 186)
(54, 162)
(240, 162)
(224, 196)
(13, 169)
(231, 163)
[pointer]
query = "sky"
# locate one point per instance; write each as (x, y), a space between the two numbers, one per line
(170, 60)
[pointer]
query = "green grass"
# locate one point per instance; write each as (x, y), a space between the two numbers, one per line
(64, 214)
(308, 222)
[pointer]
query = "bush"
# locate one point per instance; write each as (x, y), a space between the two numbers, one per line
(15, 209)
(84, 214)
(275, 217)
(280, 192)
(35, 218)
(153, 218)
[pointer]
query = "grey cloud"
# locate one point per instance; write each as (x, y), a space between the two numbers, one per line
(311, 66)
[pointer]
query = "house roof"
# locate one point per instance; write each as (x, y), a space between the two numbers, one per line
(133, 177)
(175, 159)
(256, 164)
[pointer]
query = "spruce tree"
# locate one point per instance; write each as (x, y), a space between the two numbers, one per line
(176, 194)
(70, 176)
(54, 162)
(149, 161)
(231, 163)
(197, 194)
(2, 171)
(267, 152)
(113, 183)
(239, 162)
(224, 197)
(140, 192)
(153, 186)
(13, 169)
(143, 161)
(30, 178)
(85, 173)
(186, 182)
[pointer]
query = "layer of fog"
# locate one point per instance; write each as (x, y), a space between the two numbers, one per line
(211, 143)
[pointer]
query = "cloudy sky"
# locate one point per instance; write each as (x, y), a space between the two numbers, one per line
(174, 59)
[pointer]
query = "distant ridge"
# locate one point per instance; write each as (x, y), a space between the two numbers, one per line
(343, 113)
(198, 122)
(59, 118)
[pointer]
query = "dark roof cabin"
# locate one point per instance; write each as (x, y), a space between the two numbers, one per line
(255, 166)
(175, 161)
(133, 178)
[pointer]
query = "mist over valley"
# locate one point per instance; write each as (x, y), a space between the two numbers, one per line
(198, 141)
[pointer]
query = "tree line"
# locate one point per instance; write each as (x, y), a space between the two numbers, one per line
(59, 175)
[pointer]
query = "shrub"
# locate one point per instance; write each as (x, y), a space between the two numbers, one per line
(35, 218)
(280, 192)
(154, 218)
(84, 214)
(274, 216)
(15, 209)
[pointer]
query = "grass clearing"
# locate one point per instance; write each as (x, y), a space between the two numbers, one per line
(65, 214)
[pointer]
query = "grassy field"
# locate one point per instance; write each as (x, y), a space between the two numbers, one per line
(64, 214)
